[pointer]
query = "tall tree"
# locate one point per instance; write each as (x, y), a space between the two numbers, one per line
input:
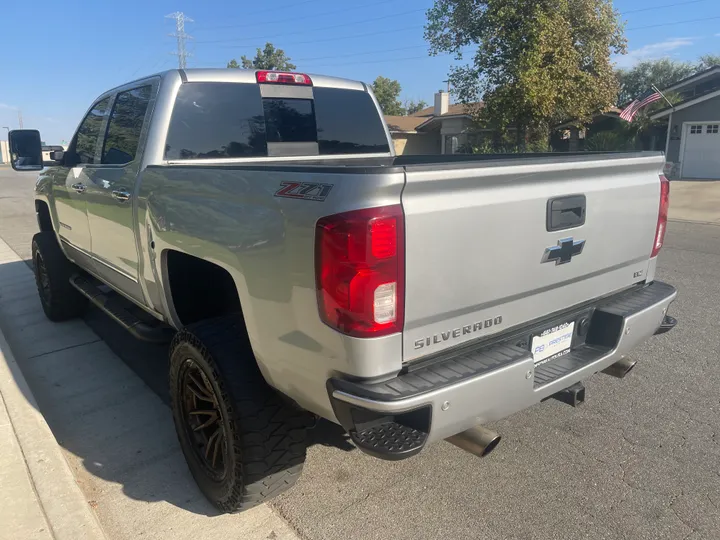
(267, 58)
(387, 92)
(534, 62)
(412, 106)
(661, 73)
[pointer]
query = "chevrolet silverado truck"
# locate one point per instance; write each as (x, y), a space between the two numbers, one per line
(261, 223)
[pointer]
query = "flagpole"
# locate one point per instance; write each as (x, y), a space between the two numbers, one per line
(663, 96)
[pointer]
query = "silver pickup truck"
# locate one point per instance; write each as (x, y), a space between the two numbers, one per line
(261, 223)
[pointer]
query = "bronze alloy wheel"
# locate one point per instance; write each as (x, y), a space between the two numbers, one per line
(203, 419)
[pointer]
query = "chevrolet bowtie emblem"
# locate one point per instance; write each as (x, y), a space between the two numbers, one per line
(565, 250)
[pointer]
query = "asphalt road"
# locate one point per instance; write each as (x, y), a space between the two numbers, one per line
(639, 460)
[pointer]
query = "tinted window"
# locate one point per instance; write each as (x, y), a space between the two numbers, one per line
(125, 125)
(289, 120)
(89, 132)
(348, 122)
(217, 120)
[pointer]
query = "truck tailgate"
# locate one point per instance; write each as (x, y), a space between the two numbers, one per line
(480, 258)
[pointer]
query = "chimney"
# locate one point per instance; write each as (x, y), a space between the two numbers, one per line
(442, 103)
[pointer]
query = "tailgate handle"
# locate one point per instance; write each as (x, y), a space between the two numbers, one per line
(566, 212)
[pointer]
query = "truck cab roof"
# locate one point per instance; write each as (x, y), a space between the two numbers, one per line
(244, 76)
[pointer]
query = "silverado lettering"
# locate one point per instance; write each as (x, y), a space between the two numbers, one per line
(456, 332)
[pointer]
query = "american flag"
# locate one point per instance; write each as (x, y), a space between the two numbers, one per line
(646, 98)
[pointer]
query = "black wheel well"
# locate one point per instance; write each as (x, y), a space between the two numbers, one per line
(200, 289)
(43, 216)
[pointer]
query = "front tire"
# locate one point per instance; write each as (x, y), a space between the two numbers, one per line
(243, 443)
(60, 300)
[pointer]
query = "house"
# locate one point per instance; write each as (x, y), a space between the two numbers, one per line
(440, 129)
(407, 139)
(692, 146)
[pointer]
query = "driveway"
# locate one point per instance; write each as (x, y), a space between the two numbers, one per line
(639, 460)
(695, 200)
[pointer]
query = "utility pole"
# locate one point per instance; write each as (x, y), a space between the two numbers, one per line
(20, 118)
(180, 20)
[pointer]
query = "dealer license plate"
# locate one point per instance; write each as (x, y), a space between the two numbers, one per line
(553, 342)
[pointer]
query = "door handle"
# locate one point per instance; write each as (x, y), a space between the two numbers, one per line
(121, 195)
(79, 187)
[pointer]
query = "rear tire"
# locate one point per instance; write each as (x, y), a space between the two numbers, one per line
(60, 300)
(243, 443)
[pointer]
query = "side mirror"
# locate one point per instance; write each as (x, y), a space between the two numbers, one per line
(25, 150)
(57, 155)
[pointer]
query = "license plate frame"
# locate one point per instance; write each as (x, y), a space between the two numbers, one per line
(552, 342)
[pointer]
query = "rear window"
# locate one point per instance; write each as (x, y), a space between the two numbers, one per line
(215, 120)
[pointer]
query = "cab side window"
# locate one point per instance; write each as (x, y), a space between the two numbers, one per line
(89, 132)
(126, 122)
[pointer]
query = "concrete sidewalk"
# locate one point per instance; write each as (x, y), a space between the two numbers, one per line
(39, 498)
(697, 201)
(114, 432)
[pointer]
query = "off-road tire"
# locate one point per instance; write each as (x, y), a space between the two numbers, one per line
(266, 436)
(60, 300)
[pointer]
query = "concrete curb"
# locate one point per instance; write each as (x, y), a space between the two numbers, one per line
(62, 502)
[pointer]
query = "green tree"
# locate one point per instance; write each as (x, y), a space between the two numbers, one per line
(267, 58)
(387, 91)
(707, 61)
(661, 73)
(412, 106)
(534, 63)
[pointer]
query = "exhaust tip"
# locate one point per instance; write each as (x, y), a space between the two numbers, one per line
(477, 440)
(491, 446)
(620, 368)
(630, 367)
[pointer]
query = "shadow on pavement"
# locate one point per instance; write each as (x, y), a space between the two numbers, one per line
(119, 437)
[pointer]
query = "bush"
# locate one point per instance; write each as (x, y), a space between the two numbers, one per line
(610, 141)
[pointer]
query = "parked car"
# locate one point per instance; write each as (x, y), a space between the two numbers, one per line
(260, 223)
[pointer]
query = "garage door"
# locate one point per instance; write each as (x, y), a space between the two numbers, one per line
(701, 158)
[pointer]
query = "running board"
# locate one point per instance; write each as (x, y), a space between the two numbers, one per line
(111, 304)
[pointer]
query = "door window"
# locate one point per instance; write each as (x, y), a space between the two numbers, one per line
(695, 129)
(89, 132)
(126, 122)
(712, 128)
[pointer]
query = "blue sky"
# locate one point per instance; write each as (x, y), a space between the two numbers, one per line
(58, 57)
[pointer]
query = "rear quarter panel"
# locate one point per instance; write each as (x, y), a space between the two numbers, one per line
(230, 216)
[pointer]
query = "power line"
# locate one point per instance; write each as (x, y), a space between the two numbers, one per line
(272, 9)
(381, 51)
(300, 32)
(415, 27)
(325, 40)
(653, 8)
(180, 20)
(446, 54)
(382, 61)
(300, 18)
(672, 23)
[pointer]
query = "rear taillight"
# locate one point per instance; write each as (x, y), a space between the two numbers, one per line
(360, 271)
(282, 77)
(662, 215)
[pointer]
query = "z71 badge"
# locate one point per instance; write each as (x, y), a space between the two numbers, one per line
(304, 190)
